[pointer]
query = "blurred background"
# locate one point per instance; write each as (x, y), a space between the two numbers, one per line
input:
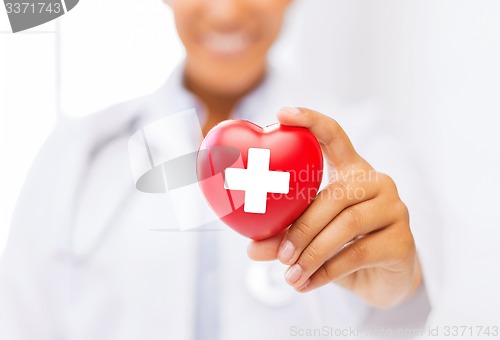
(433, 66)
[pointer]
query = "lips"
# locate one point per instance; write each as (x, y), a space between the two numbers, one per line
(227, 43)
(292, 175)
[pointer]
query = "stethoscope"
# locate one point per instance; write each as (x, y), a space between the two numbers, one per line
(265, 282)
(80, 258)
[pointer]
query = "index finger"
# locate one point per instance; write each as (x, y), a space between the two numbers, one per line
(334, 142)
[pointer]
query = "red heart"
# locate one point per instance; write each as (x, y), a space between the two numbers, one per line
(293, 150)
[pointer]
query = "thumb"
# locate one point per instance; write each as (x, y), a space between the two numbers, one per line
(336, 146)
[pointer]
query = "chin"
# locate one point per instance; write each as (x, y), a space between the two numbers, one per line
(237, 77)
(229, 76)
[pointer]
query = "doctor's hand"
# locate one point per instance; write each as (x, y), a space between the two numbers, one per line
(356, 232)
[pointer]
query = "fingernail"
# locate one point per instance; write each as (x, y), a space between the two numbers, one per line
(286, 251)
(293, 273)
(291, 110)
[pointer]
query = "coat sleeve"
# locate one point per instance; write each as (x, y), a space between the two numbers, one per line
(391, 154)
(380, 143)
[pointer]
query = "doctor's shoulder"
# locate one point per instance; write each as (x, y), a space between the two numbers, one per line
(103, 121)
(47, 188)
(68, 144)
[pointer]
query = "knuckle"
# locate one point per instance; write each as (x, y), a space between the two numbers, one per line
(388, 182)
(326, 273)
(358, 252)
(341, 183)
(310, 255)
(335, 127)
(406, 248)
(353, 217)
(315, 117)
(312, 116)
(332, 125)
(402, 211)
(302, 229)
(409, 245)
(338, 188)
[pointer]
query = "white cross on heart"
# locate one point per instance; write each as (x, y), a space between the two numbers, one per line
(257, 181)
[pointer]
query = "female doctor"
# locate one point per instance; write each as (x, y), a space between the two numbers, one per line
(90, 257)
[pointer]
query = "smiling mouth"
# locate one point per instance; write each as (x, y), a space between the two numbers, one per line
(227, 44)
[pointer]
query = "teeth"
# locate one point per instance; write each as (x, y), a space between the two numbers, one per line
(227, 43)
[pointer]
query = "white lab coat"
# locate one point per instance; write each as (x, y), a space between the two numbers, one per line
(85, 258)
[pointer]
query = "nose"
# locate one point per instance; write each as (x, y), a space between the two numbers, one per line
(225, 15)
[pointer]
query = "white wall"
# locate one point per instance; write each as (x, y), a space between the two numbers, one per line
(115, 50)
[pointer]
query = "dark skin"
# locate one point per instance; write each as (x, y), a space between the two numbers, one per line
(227, 43)
(218, 107)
